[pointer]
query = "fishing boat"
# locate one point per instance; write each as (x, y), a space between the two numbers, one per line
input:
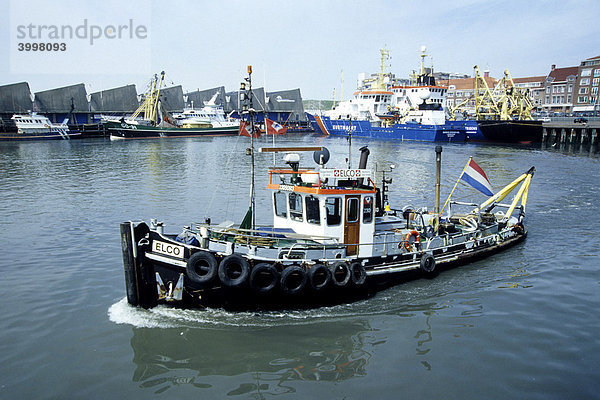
(403, 112)
(150, 120)
(502, 113)
(34, 126)
(334, 237)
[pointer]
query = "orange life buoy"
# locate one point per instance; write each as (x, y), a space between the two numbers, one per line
(407, 243)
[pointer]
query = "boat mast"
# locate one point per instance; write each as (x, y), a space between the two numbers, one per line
(250, 111)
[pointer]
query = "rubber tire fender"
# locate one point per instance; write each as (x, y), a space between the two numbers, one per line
(287, 274)
(260, 270)
(201, 267)
(342, 269)
(316, 279)
(234, 270)
(358, 274)
(427, 263)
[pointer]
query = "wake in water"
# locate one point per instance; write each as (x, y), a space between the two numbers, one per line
(405, 300)
(169, 317)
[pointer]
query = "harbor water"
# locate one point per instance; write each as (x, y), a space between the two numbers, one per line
(521, 324)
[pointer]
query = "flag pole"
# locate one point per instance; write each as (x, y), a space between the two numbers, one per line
(455, 185)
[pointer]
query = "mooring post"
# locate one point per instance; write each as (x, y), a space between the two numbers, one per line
(563, 135)
(594, 137)
(544, 135)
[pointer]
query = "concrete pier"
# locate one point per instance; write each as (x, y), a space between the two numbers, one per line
(570, 133)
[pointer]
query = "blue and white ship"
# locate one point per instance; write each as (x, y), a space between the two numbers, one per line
(404, 112)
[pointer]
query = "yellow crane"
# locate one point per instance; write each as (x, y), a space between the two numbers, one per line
(150, 104)
(505, 101)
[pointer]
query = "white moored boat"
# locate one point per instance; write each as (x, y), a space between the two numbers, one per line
(37, 126)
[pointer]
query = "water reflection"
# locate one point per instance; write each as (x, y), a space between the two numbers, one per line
(264, 361)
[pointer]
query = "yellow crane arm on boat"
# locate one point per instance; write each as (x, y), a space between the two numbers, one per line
(504, 192)
(526, 193)
(524, 188)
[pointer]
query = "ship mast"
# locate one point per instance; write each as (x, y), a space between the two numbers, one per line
(385, 55)
(423, 55)
(249, 221)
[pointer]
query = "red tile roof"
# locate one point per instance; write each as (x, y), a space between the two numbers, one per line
(561, 74)
(466, 83)
(530, 79)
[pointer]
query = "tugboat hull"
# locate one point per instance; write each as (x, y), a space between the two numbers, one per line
(162, 269)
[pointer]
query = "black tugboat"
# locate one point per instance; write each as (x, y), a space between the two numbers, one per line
(334, 237)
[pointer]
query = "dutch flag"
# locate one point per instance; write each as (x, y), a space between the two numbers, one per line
(475, 177)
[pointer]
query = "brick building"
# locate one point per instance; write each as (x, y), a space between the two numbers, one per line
(559, 89)
(535, 86)
(585, 97)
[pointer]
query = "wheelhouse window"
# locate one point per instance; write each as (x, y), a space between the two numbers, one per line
(295, 205)
(333, 207)
(367, 209)
(279, 199)
(352, 210)
(313, 216)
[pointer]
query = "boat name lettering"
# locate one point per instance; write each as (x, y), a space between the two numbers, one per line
(471, 128)
(343, 127)
(287, 188)
(128, 126)
(345, 173)
(167, 249)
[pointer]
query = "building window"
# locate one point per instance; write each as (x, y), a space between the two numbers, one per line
(597, 72)
(547, 89)
(584, 81)
(583, 90)
(586, 72)
(595, 81)
(570, 89)
(594, 91)
(582, 99)
(569, 98)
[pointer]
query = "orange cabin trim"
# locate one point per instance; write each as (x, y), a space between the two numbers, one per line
(318, 190)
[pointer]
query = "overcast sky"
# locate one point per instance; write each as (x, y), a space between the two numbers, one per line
(302, 44)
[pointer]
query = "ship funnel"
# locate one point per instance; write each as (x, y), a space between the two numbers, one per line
(362, 164)
(364, 156)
